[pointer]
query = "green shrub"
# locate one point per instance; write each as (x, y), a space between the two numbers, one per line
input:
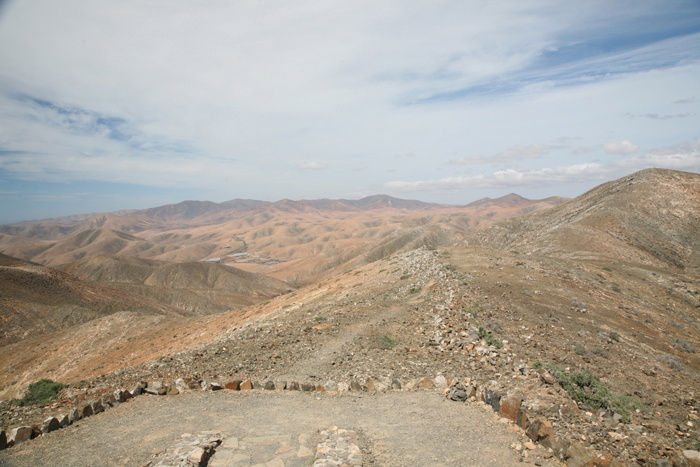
(388, 342)
(490, 340)
(607, 269)
(415, 289)
(320, 318)
(584, 386)
(475, 309)
(40, 392)
(537, 365)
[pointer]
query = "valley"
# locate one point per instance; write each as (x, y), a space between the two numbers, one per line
(512, 304)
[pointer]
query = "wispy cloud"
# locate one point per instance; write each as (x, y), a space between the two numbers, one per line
(126, 91)
(620, 147)
(660, 117)
(683, 157)
(577, 71)
(515, 153)
(312, 166)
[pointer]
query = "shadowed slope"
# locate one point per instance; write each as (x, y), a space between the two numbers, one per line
(192, 288)
(36, 300)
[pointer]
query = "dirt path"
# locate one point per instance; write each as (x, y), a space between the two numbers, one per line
(400, 428)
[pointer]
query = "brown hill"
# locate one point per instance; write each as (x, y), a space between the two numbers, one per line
(88, 242)
(651, 217)
(301, 241)
(192, 288)
(35, 300)
(496, 314)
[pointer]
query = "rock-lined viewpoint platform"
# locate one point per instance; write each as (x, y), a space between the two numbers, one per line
(283, 429)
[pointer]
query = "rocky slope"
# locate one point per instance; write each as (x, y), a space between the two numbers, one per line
(651, 217)
(421, 315)
(590, 325)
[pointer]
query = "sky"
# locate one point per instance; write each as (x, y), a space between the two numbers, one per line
(109, 105)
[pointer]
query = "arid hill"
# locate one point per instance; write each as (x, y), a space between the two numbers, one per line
(299, 241)
(36, 300)
(603, 288)
(651, 217)
(194, 289)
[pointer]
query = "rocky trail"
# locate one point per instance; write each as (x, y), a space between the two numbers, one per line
(431, 357)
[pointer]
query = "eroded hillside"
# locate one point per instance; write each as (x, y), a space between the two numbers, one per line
(297, 241)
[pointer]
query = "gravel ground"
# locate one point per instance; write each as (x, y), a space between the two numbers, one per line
(400, 428)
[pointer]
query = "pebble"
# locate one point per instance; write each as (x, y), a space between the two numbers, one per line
(338, 447)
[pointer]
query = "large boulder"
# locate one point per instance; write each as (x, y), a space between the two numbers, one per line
(541, 431)
(510, 406)
(121, 395)
(233, 385)
(20, 435)
(96, 406)
(85, 411)
(425, 383)
(63, 420)
(138, 390)
(308, 387)
(49, 425)
(74, 416)
(692, 457)
(181, 385)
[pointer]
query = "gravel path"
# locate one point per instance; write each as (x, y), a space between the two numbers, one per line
(400, 428)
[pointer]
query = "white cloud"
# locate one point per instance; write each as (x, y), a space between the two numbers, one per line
(177, 94)
(682, 157)
(620, 147)
(312, 166)
(515, 153)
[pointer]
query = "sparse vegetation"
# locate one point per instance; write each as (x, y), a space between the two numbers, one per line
(537, 365)
(430, 247)
(685, 345)
(404, 277)
(475, 309)
(579, 348)
(388, 342)
(616, 288)
(607, 269)
(489, 338)
(601, 352)
(41, 392)
(673, 362)
(585, 387)
(415, 289)
(320, 319)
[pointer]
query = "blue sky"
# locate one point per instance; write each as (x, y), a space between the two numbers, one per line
(116, 105)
